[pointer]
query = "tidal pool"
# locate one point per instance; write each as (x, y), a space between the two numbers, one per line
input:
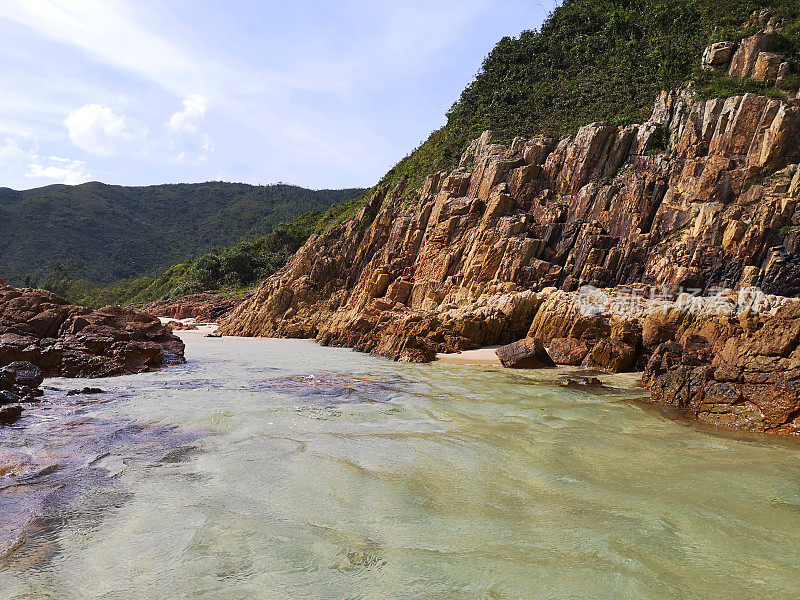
(280, 469)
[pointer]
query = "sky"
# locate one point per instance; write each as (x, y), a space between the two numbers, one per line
(322, 94)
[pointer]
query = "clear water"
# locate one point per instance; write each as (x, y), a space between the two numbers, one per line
(279, 469)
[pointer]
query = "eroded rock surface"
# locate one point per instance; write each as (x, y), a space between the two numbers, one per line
(703, 195)
(64, 340)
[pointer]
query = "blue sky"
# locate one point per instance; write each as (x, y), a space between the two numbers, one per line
(319, 94)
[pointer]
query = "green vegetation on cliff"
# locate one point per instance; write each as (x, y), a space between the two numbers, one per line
(233, 269)
(592, 60)
(104, 233)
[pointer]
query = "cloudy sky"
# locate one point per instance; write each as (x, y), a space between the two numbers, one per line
(312, 92)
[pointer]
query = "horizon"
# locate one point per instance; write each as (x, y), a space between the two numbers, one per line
(329, 98)
(96, 181)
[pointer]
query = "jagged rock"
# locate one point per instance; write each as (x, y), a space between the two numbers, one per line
(524, 354)
(719, 54)
(705, 194)
(747, 54)
(60, 339)
(203, 308)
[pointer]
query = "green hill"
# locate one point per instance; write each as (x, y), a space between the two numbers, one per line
(104, 233)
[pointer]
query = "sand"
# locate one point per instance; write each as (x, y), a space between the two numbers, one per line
(481, 356)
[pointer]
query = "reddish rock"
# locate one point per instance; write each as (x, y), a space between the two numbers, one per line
(203, 308)
(612, 356)
(568, 351)
(704, 194)
(524, 354)
(71, 341)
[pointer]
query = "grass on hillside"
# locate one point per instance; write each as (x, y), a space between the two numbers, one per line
(592, 60)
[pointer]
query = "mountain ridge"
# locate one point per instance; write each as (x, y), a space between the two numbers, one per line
(107, 232)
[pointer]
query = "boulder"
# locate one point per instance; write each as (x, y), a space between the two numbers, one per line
(612, 356)
(568, 351)
(25, 374)
(10, 414)
(525, 354)
(718, 55)
(41, 334)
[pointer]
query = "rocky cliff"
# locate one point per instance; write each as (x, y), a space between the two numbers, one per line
(703, 195)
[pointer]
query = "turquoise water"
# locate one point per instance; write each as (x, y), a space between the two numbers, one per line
(281, 469)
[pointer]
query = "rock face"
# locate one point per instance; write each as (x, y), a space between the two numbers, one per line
(203, 308)
(60, 339)
(705, 194)
(743, 373)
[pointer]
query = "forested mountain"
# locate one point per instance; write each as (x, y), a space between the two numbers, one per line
(103, 233)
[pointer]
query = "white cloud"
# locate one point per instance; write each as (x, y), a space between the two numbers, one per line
(188, 123)
(108, 30)
(99, 130)
(62, 170)
(187, 120)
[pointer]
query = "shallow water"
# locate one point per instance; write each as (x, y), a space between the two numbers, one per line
(281, 469)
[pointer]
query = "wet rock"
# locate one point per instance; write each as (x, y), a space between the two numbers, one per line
(85, 391)
(525, 354)
(25, 374)
(8, 397)
(10, 414)
(579, 382)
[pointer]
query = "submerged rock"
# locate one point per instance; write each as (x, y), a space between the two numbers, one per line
(579, 382)
(85, 391)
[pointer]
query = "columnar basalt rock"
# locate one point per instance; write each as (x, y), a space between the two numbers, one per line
(702, 195)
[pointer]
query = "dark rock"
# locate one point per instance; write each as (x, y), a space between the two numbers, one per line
(525, 354)
(56, 338)
(10, 414)
(26, 373)
(8, 397)
(85, 391)
(212, 335)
